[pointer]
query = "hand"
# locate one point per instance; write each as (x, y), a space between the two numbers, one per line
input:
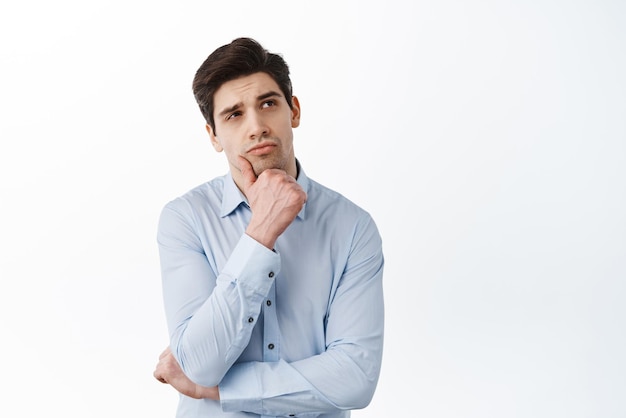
(275, 199)
(168, 371)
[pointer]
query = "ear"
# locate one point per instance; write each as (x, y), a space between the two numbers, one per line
(214, 141)
(295, 112)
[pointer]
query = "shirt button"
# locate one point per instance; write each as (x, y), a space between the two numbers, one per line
(268, 303)
(251, 319)
(270, 346)
(271, 274)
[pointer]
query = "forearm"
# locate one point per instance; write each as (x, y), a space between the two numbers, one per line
(345, 375)
(211, 325)
(211, 340)
(326, 383)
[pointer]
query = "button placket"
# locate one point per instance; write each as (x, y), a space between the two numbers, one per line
(271, 332)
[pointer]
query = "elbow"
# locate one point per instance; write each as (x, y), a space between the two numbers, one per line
(358, 381)
(202, 377)
(353, 387)
(198, 367)
(358, 396)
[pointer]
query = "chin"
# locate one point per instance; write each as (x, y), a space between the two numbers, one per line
(265, 164)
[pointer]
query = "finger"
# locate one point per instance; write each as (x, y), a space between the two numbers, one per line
(158, 377)
(247, 172)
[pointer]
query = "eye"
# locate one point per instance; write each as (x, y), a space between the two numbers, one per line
(268, 103)
(233, 115)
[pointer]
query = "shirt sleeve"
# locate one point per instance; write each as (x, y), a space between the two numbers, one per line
(210, 318)
(345, 375)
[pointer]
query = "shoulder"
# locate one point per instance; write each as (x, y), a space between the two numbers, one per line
(341, 220)
(202, 197)
(324, 200)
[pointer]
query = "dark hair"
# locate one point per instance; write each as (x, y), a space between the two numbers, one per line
(242, 57)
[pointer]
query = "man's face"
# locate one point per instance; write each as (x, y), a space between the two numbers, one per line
(253, 120)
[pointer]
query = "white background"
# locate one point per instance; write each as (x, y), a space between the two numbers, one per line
(487, 139)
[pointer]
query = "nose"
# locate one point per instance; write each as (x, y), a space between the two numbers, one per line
(257, 126)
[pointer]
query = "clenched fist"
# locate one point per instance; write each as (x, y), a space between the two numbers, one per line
(168, 371)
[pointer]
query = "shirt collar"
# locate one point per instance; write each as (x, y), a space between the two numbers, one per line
(233, 197)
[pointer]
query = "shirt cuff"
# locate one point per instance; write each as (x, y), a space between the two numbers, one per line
(240, 389)
(252, 265)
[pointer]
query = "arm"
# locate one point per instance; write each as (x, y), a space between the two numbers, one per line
(343, 377)
(210, 318)
(346, 374)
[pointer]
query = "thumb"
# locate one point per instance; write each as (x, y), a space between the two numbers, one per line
(247, 173)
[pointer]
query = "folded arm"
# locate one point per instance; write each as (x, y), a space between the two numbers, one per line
(211, 326)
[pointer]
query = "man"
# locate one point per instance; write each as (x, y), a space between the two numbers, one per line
(272, 283)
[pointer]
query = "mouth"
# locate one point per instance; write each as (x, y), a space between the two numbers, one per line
(262, 148)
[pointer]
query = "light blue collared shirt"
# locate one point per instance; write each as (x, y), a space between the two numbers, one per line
(297, 331)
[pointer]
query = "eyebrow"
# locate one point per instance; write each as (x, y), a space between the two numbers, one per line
(259, 98)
